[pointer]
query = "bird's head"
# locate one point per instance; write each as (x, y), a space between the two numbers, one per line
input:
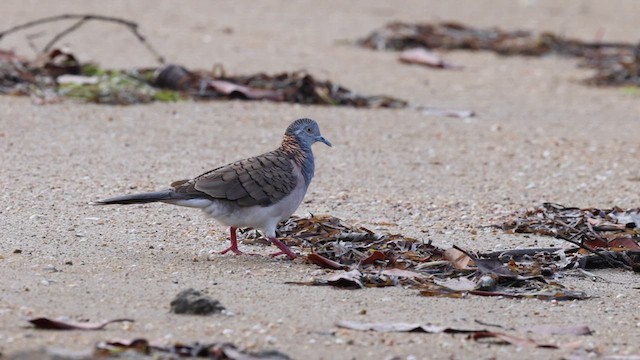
(307, 132)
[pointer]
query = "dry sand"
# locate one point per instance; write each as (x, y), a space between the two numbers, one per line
(539, 136)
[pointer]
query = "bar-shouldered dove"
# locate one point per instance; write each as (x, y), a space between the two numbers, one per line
(257, 192)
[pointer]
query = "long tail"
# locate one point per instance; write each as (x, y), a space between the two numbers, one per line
(140, 198)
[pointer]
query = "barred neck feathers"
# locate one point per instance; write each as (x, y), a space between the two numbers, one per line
(300, 154)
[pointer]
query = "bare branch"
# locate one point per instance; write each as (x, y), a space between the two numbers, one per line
(82, 19)
(62, 34)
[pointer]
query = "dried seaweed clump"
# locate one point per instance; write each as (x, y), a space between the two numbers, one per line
(362, 258)
(616, 63)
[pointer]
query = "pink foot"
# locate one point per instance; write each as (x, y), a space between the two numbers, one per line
(234, 244)
(233, 249)
(284, 250)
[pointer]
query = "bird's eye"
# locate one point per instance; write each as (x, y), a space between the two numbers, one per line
(308, 130)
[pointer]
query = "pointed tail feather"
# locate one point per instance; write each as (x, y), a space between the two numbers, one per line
(140, 198)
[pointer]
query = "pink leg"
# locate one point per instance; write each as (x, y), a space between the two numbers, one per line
(284, 250)
(234, 243)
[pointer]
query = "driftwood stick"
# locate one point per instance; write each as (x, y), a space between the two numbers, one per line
(521, 252)
(82, 19)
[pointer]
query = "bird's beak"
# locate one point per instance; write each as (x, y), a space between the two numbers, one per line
(323, 140)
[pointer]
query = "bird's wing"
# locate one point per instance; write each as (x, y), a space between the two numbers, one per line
(261, 180)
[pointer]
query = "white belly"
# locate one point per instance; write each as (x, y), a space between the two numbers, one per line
(263, 218)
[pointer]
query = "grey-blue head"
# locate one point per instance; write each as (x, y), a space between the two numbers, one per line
(307, 132)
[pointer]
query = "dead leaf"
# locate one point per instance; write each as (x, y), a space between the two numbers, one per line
(375, 256)
(401, 273)
(346, 279)
(457, 258)
(325, 263)
(559, 330)
(443, 292)
(243, 92)
(629, 218)
(455, 113)
(489, 266)
(554, 294)
(399, 327)
(519, 341)
(434, 329)
(422, 56)
(227, 351)
(117, 346)
(49, 324)
(60, 62)
(624, 243)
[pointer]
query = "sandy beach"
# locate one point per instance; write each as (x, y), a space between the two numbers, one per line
(540, 135)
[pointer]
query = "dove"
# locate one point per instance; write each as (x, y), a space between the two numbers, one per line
(257, 192)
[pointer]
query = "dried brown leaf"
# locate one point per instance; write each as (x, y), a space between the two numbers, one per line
(346, 279)
(325, 263)
(457, 258)
(50, 324)
(245, 92)
(375, 256)
(624, 243)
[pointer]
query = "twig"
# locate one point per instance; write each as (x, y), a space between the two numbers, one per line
(520, 252)
(82, 19)
(62, 34)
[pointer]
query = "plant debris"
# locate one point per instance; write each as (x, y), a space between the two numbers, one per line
(62, 75)
(55, 74)
(616, 64)
(50, 324)
(402, 327)
(294, 87)
(190, 301)
(505, 338)
(361, 258)
(472, 334)
(547, 329)
(608, 237)
(422, 56)
(219, 351)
